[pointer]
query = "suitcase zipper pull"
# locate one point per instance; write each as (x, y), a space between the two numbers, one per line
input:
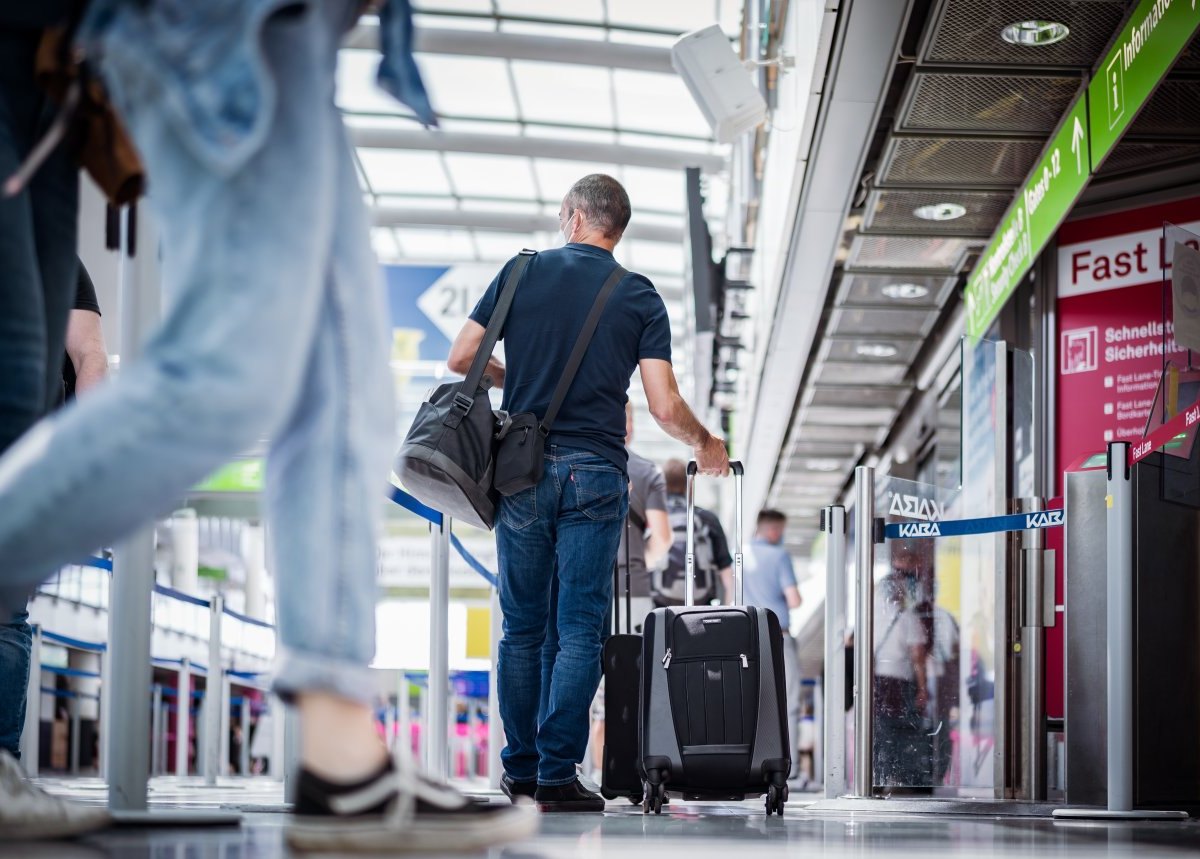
(745, 661)
(666, 660)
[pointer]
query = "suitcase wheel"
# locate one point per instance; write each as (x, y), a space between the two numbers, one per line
(654, 797)
(776, 799)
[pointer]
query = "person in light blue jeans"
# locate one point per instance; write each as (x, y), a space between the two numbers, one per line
(277, 329)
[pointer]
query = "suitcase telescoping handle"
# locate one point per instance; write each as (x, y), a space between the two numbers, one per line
(689, 583)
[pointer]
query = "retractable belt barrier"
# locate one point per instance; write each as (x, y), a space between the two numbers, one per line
(968, 527)
(434, 517)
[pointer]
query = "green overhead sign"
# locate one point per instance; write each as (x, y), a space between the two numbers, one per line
(1040, 206)
(245, 475)
(1143, 53)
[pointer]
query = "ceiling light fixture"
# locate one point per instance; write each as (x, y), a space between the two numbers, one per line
(905, 291)
(1035, 34)
(877, 350)
(822, 464)
(940, 212)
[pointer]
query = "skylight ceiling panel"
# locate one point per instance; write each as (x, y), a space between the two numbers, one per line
(559, 92)
(468, 86)
(436, 245)
(675, 15)
(396, 171)
(657, 190)
(556, 176)
(490, 175)
(588, 11)
(650, 101)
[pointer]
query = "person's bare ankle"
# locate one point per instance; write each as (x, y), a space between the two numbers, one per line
(338, 741)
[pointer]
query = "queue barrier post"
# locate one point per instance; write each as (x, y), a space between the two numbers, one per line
(833, 523)
(183, 717)
(213, 697)
(495, 728)
(437, 725)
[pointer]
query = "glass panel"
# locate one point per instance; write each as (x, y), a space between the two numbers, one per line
(921, 642)
(357, 91)
(555, 176)
(436, 245)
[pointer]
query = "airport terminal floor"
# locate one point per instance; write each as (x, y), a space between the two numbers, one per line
(795, 446)
(685, 830)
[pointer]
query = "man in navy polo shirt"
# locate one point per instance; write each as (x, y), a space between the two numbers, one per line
(557, 541)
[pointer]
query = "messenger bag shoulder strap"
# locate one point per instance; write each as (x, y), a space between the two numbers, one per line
(581, 346)
(492, 333)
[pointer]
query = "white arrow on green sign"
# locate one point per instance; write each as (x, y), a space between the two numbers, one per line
(1143, 53)
(1042, 202)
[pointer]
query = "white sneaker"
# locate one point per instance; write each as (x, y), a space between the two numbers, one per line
(401, 812)
(28, 812)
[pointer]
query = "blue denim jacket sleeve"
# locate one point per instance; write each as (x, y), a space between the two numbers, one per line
(202, 63)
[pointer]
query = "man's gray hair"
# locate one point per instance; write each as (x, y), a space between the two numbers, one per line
(604, 203)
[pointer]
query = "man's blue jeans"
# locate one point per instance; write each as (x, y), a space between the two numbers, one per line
(558, 537)
(277, 329)
(38, 269)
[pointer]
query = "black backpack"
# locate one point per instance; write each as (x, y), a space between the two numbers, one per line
(667, 584)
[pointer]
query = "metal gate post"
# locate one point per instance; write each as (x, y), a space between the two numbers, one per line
(1121, 643)
(834, 690)
(864, 653)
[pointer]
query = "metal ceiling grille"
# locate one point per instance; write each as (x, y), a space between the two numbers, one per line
(968, 31)
(895, 211)
(864, 288)
(1031, 104)
(1140, 156)
(860, 396)
(1173, 111)
(881, 321)
(845, 349)
(904, 252)
(853, 373)
(946, 161)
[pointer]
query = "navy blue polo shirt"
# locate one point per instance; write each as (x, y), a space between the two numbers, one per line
(555, 294)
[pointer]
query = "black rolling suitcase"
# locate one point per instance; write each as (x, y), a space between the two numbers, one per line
(713, 712)
(622, 657)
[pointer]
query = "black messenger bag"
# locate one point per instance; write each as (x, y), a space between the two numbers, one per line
(447, 459)
(521, 442)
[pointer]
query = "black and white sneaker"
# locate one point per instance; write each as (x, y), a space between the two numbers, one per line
(28, 812)
(400, 811)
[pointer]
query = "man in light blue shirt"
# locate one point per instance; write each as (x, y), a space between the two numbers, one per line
(769, 581)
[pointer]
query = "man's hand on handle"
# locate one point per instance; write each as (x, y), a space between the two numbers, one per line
(712, 458)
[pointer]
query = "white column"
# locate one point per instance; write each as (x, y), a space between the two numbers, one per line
(185, 540)
(254, 556)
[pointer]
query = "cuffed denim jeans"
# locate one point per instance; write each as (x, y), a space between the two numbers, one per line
(557, 543)
(276, 328)
(38, 269)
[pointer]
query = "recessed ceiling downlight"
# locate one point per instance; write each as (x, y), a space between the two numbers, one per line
(940, 212)
(905, 291)
(877, 350)
(1035, 33)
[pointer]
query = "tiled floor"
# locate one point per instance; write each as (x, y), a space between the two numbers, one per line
(691, 830)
